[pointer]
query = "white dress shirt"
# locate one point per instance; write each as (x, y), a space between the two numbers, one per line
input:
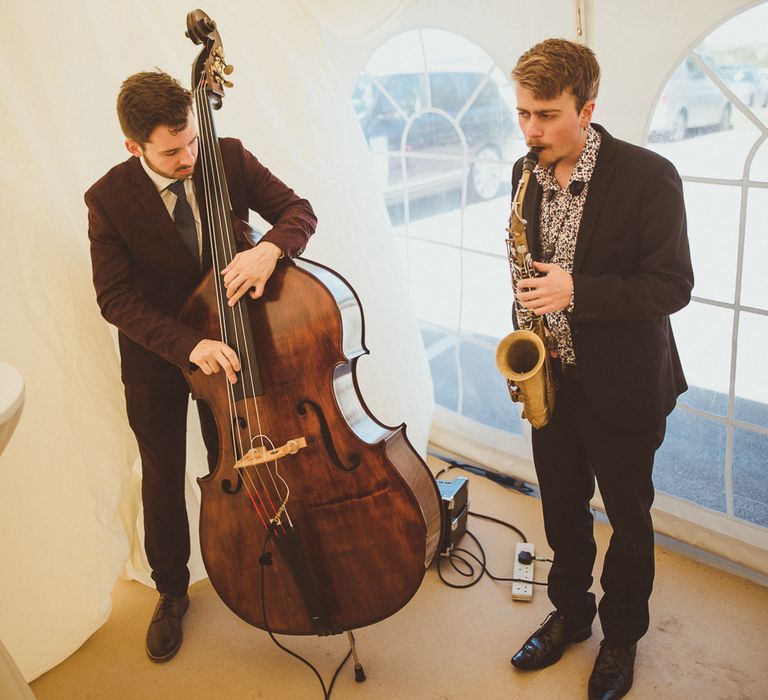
(169, 198)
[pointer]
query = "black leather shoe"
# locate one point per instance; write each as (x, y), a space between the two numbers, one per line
(547, 644)
(164, 634)
(613, 673)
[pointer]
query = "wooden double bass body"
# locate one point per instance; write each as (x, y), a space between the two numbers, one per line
(317, 517)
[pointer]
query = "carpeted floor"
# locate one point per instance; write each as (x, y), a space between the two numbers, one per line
(708, 638)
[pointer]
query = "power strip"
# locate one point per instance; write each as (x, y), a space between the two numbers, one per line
(523, 591)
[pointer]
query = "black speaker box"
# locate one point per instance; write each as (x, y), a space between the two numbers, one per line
(455, 498)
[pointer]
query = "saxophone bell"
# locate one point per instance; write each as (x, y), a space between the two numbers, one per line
(522, 357)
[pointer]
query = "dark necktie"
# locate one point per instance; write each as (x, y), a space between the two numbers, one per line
(185, 219)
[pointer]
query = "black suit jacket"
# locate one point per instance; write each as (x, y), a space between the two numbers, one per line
(143, 273)
(632, 268)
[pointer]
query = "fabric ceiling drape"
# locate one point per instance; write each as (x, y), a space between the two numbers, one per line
(69, 504)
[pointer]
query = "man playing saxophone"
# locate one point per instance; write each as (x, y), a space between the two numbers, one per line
(607, 230)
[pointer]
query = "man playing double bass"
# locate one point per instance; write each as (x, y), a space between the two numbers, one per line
(149, 251)
(607, 226)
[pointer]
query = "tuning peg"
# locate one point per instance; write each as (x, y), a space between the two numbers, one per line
(228, 83)
(228, 69)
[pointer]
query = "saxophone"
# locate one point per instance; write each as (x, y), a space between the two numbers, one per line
(523, 355)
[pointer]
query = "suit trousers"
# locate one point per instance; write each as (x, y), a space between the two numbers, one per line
(570, 452)
(157, 413)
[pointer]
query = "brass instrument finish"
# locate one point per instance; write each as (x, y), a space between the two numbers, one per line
(523, 355)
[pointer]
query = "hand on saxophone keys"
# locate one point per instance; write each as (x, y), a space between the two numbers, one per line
(546, 294)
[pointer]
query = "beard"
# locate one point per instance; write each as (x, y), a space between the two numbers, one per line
(177, 174)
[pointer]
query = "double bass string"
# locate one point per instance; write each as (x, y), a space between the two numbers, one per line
(217, 213)
(207, 185)
(216, 220)
(212, 212)
(215, 223)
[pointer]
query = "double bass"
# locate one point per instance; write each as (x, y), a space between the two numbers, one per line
(317, 518)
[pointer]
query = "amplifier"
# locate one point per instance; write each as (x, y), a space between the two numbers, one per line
(455, 499)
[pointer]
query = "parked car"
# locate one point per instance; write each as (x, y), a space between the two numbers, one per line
(690, 100)
(432, 149)
(762, 74)
(744, 82)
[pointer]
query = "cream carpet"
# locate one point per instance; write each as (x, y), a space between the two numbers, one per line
(708, 638)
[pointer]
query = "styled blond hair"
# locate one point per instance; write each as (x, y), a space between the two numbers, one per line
(555, 66)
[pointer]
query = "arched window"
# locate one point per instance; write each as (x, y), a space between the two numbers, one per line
(436, 112)
(439, 117)
(711, 120)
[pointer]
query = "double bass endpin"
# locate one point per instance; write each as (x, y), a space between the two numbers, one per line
(359, 672)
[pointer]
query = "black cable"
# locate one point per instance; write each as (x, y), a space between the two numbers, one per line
(527, 558)
(450, 558)
(502, 479)
(452, 555)
(339, 667)
(471, 571)
(500, 522)
(499, 578)
(262, 563)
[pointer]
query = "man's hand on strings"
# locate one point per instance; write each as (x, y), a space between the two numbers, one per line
(213, 355)
(546, 294)
(249, 271)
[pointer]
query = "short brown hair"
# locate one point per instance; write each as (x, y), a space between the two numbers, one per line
(555, 66)
(151, 99)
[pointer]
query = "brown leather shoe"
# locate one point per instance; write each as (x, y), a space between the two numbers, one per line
(613, 673)
(547, 644)
(164, 634)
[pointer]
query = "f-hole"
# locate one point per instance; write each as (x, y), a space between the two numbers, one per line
(226, 485)
(354, 458)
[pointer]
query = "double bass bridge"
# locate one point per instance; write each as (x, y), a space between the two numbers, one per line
(261, 455)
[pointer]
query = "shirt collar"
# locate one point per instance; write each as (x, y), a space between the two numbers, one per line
(583, 169)
(158, 180)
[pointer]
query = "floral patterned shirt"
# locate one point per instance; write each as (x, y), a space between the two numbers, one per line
(559, 220)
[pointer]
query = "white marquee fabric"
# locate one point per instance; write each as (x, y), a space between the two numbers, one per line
(68, 480)
(68, 491)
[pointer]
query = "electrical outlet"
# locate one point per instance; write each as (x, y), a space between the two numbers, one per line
(523, 591)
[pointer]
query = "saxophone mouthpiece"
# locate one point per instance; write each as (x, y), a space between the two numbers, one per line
(530, 160)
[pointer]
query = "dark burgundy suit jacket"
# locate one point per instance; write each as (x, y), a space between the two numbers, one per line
(143, 273)
(632, 269)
